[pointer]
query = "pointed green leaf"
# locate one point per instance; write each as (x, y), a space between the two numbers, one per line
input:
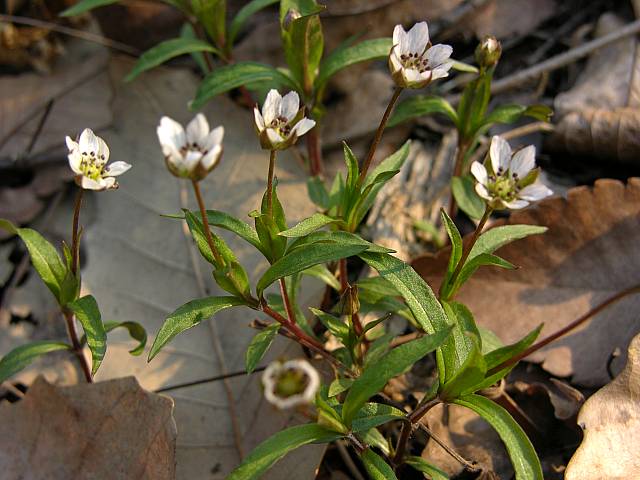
(392, 364)
(317, 192)
(523, 456)
(245, 231)
(88, 314)
(259, 346)
(464, 193)
(419, 106)
(497, 237)
(136, 331)
(431, 471)
(20, 357)
(211, 14)
(189, 315)
(166, 51)
(84, 6)
(456, 244)
(338, 237)
(376, 467)
(372, 415)
(277, 446)
(339, 385)
(308, 225)
(321, 272)
(243, 15)
(462, 343)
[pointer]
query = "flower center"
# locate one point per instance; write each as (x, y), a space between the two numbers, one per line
(291, 382)
(414, 61)
(504, 186)
(192, 147)
(280, 125)
(92, 165)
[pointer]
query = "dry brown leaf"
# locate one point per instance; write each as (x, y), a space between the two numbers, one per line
(599, 115)
(111, 429)
(589, 253)
(611, 423)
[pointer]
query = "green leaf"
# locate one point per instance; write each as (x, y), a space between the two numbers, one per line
(456, 245)
(84, 6)
(337, 237)
(189, 33)
(166, 51)
(318, 192)
(374, 438)
(471, 373)
(136, 331)
(243, 15)
(44, 257)
(277, 446)
(473, 105)
(308, 225)
(523, 456)
(419, 106)
(463, 67)
(464, 341)
(228, 77)
(392, 364)
(372, 415)
(464, 193)
(513, 112)
(497, 237)
(341, 58)
(490, 341)
(476, 262)
(431, 471)
(336, 326)
(245, 231)
(259, 346)
(322, 272)
(305, 256)
(211, 14)
(189, 315)
(376, 467)
(340, 385)
(20, 357)
(88, 314)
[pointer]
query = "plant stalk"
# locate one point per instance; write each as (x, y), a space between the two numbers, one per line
(378, 135)
(407, 427)
(205, 223)
(461, 152)
(272, 164)
(315, 152)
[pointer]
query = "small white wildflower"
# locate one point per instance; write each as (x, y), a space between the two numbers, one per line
(413, 62)
(291, 383)
(88, 159)
(191, 154)
(508, 180)
(282, 121)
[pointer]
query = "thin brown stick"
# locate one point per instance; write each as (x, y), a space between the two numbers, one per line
(272, 164)
(407, 428)
(205, 223)
(563, 331)
(378, 135)
(348, 461)
(203, 381)
(469, 466)
(314, 151)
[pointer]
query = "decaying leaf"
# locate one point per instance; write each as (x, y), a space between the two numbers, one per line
(599, 115)
(589, 253)
(111, 429)
(611, 423)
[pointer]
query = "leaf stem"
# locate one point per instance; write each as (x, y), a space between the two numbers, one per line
(291, 314)
(272, 164)
(563, 331)
(407, 428)
(205, 223)
(378, 135)
(467, 250)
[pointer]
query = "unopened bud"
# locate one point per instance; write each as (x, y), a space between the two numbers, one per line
(349, 301)
(289, 18)
(488, 51)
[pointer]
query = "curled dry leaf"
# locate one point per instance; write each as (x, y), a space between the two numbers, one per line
(112, 429)
(599, 115)
(611, 423)
(589, 253)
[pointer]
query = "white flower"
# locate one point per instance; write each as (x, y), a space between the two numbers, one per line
(413, 62)
(191, 154)
(282, 121)
(291, 383)
(88, 159)
(509, 180)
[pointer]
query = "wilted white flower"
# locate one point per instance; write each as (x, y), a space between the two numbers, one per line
(88, 159)
(282, 121)
(508, 180)
(413, 62)
(291, 383)
(191, 154)
(488, 51)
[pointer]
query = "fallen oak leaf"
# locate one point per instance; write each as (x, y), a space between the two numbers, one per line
(111, 429)
(588, 254)
(611, 423)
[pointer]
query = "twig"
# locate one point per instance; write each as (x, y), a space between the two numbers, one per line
(348, 461)
(209, 380)
(72, 32)
(469, 466)
(41, 122)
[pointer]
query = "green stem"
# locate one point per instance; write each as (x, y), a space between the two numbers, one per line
(272, 164)
(378, 135)
(205, 223)
(461, 152)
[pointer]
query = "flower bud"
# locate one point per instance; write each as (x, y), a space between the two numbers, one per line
(291, 15)
(488, 51)
(349, 302)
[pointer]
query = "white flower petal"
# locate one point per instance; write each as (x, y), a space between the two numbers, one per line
(197, 130)
(88, 141)
(438, 54)
(116, 168)
(441, 72)
(398, 37)
(271, 106)
(289, 106)
(418, 37)
(395, 61)
(483, 192)
(191, 160)
(303, 126)
(535, 192)
(515, 204)
(71, 145)
(89, 184)
(523, 161)
(500, 153)
(258, 119)
(171, 133)
(413, 76)
(214, 138)
(108, 182)
(274, 137)
(75, 160)
(103, 150)
(211, 158)
(479, 172)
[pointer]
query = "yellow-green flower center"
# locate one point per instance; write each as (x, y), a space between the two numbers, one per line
(280, 125)
(291, 382)
(503, 186)
(92, 166)
(414, 61)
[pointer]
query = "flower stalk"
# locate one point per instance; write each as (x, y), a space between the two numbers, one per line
(272, 164)
(205, 223)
